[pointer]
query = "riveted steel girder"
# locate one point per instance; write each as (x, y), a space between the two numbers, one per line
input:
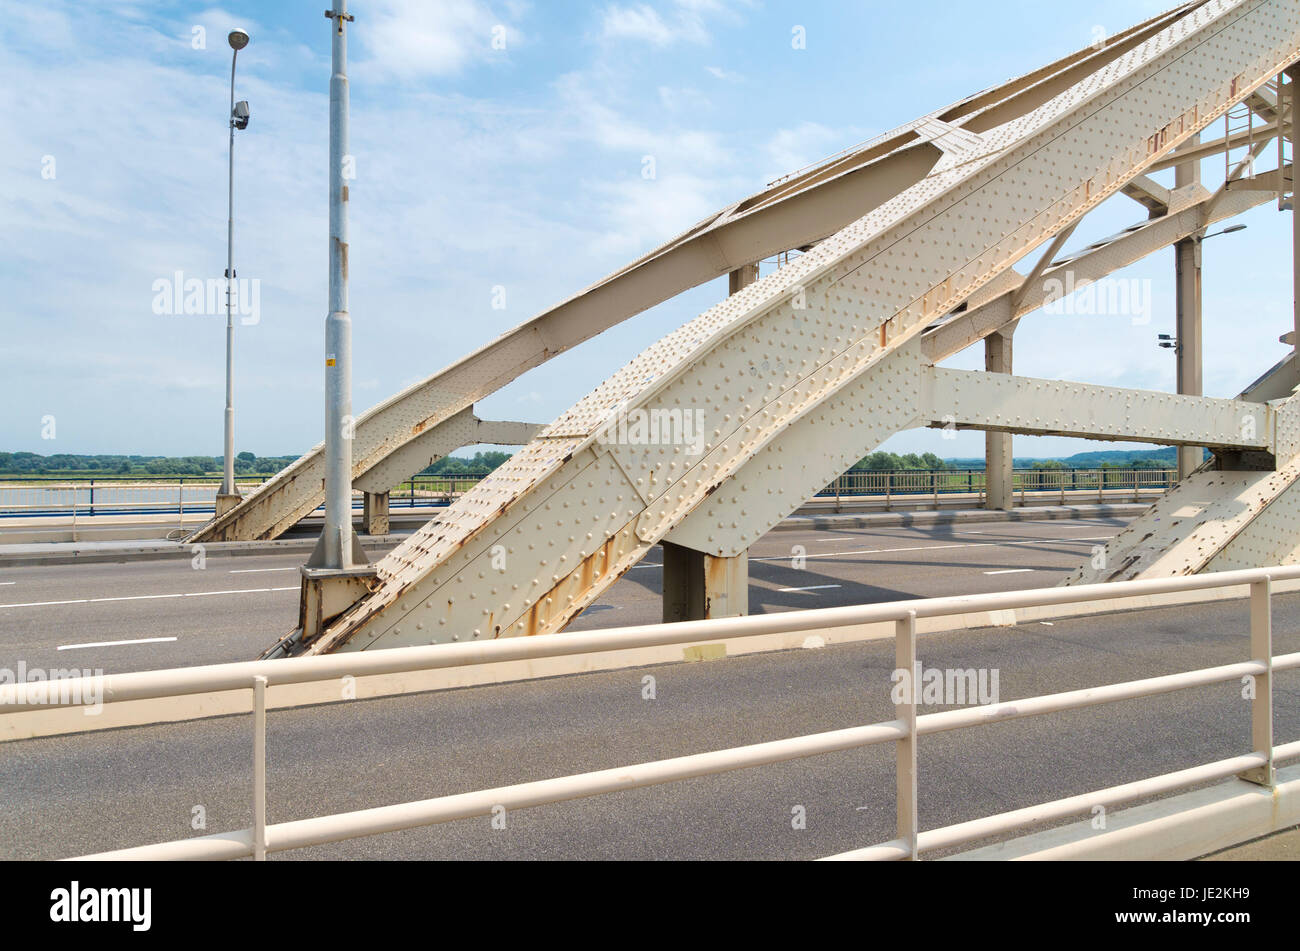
(733, 393)
(1218, 517)
(999, 402)
(796, 211)
(1192, 210)
(299, 490)
(904, 393)
(463, 429)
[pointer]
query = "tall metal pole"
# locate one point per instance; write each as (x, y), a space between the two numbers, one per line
(228, 474)
(1187, 282)
(336, 542)
(1293, 113)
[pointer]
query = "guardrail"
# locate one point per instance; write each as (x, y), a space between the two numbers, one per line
(198, 496)
(915, 485)
(423, 491)
(109, 497)
(904, 731)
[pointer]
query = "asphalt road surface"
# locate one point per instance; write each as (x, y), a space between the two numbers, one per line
(145, 615)
(74, 795)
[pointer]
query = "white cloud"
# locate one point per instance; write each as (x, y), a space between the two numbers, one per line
(642, 214)
(410, 39)
(789, 150)
(637, 23)
(717, 72)
(684, 21)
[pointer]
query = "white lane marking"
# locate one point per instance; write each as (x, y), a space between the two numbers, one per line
(891, 551)
(819, 587)
(5, 584)
(647, 565)
(143, 640)
(145, 597)
(1012, 571)
(259, 571)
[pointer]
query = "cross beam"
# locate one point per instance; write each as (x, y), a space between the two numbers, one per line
(1001, 402)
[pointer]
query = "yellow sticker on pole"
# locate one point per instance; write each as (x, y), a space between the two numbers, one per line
(329, 360)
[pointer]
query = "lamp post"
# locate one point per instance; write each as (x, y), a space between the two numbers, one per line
(338, 573)
(228, 496)
(338, 549)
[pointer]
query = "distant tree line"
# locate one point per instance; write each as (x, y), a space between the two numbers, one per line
(30, 463)
(892, 462)
(1054, 464)
(480, 465)
(246, 463)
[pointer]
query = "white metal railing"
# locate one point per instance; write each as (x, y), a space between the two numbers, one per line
(104, 497)
(66, 503)
(934, 486)
(107, 497)
(905, 731)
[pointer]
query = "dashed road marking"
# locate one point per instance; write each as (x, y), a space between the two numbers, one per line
(143, 640)
(144, 597)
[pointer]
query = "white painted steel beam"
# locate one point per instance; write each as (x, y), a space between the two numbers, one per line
(999, 447)
(1218, 518)
(716, 429)
(463, 429)
(796, 211)
(1188, 216)
(1000, 402)
(1150, 193)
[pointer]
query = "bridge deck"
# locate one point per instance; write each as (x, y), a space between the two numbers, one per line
(149, 779)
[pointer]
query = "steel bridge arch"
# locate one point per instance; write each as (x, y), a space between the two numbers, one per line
(842, 344)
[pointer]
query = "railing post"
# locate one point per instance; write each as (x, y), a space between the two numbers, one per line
(889, 490)
(259, 769)
(92, 496)
(1261, 705)
(934, 479)
(905, 664)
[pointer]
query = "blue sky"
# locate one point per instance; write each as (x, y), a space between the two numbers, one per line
(477, 168)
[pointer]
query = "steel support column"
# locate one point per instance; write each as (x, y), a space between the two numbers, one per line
(742, 277)
(375, 514)
(998, 447)
(1187, 264)
(1293, 73)
(698, 587)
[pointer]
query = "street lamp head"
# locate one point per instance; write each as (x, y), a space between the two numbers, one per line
(238, 40)
(1232, 230)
